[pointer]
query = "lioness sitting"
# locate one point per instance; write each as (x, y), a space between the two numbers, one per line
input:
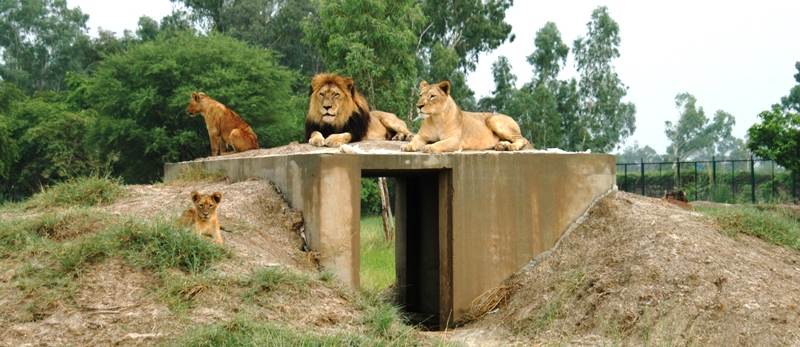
(339, 114)
(222, 123)
(204, 216)
(451, 129)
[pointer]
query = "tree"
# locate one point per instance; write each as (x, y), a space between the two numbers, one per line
(142, 96)
(635, 154)
(693, 132)
(452, 37)
(37, 39)
(603, 120)
(550, 54)
(777, 137)
(505, 90)
(372, 41)
(792, 101)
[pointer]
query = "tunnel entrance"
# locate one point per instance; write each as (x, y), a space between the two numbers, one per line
(423, 244)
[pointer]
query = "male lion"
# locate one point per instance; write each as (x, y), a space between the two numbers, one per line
(451, 129)
(204, 216)
(339, 114)
(222, 123)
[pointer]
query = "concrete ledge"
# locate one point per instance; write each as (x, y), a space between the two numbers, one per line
(465, 221)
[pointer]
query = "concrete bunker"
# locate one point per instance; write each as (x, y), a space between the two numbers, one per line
(465, 221)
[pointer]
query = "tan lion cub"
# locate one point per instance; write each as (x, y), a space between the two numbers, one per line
(204, 216)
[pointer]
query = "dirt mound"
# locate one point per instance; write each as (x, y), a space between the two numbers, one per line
(117, 304)
(641, 271)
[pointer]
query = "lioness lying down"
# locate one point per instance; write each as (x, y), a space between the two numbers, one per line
(449, 129)
(203, 217)
(222, 124)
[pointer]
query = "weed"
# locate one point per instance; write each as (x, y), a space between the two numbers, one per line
(551, 310)
(269, 279)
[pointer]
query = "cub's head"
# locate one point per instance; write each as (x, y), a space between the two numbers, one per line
(206, 205)
(432, 98)
(195, 104)
(334, 99)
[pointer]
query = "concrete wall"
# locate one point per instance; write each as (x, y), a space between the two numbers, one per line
(492, 212)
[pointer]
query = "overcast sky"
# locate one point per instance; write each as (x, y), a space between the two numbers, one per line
(737, 58)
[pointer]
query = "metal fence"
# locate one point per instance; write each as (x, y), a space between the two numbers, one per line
(727, 180)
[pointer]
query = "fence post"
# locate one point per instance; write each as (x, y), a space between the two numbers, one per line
(642, 161)
(713, 172)
(772, 181)
(752, 179)
(678, 163)
(625, 182)
(695, 181)
(733, 180)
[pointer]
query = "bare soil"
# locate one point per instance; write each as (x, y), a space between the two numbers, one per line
(643, 271)
(638, 271)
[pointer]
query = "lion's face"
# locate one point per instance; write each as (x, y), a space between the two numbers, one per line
(330, 98)
(206, 205)
(432, 98)
(195, 106)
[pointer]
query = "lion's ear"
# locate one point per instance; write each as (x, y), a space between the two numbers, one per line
(195, 97)
(217, 196)
(351, 85)
(423, 84)
(445, 87)
(195, 196)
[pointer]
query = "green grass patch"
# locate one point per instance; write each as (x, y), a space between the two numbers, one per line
(770, 223)
(80, 191)
(247, 332)
(377, 256)
(196, 173)
(264, 281)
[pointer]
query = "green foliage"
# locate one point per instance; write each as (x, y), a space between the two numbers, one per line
(141, 97)
(603, 121)
(370, 196)
(774, 224)
(37, 42)
(635, 154)
(372, 41)
(49, 144)
(693, 132)
(469, 27)
(777, 137)
(86, 191)
(196, 173)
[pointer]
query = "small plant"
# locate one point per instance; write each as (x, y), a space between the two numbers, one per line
(269, 279)
(551, 310)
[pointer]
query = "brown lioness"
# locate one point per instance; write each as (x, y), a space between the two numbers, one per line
(204, 216)
(222, 124)
(449, 129)
(339, 114)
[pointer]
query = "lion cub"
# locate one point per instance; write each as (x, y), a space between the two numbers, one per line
(204, 216)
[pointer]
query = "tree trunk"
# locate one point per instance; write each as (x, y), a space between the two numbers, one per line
(386, 210)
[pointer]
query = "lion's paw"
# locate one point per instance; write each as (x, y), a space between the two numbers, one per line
(402, 137)
(429, 149)
(333, 143)
(503, 146)
(408, 148)
(317, 142)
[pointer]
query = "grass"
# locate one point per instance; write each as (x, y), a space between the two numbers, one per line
(377, 256)
(81, 191)
(196, 173)
(770, 223)
(541, 319)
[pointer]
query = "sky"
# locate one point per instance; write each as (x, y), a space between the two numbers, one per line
(733, 57)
